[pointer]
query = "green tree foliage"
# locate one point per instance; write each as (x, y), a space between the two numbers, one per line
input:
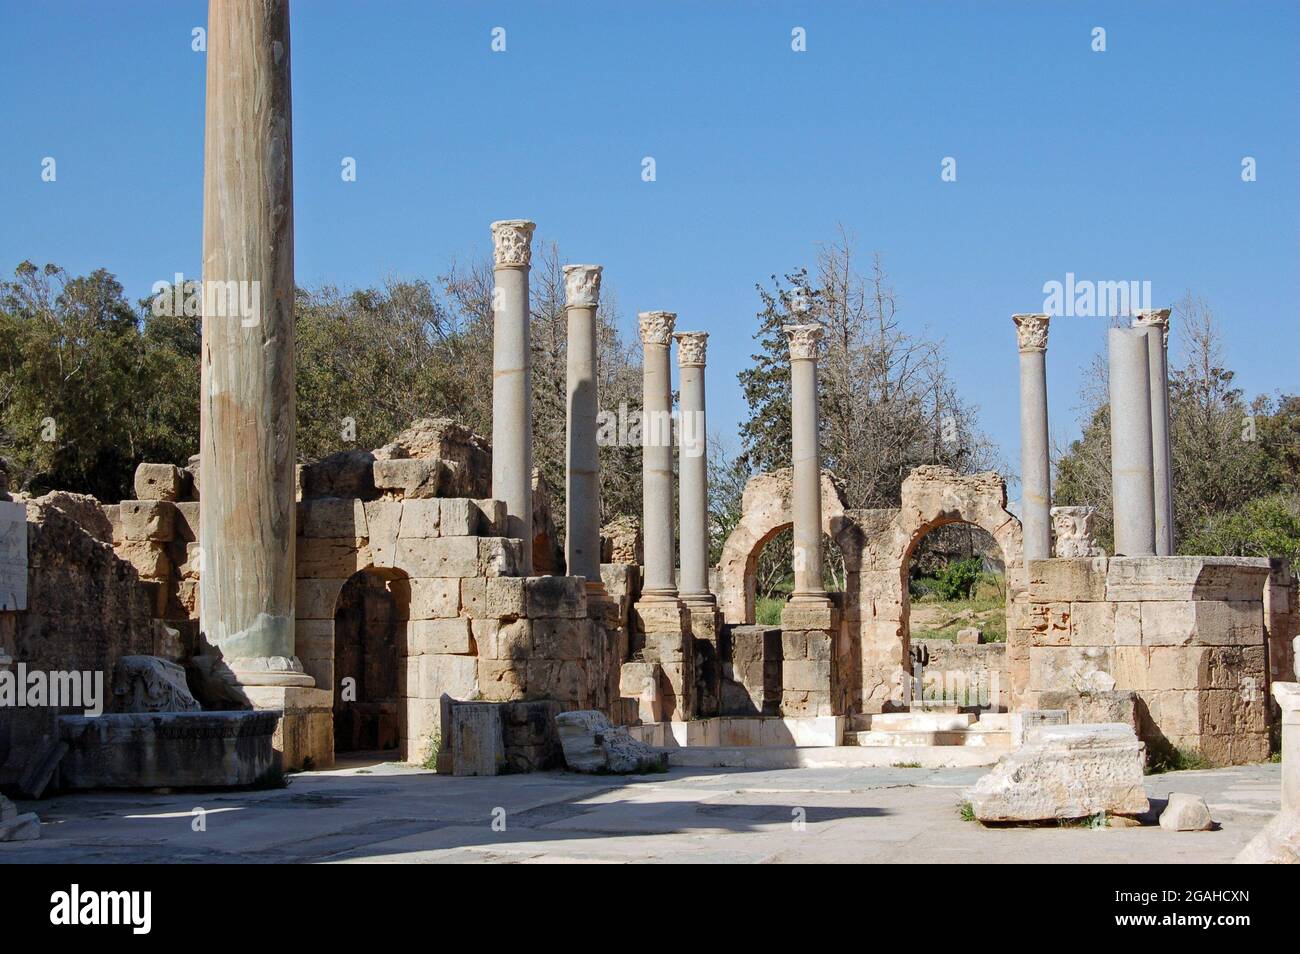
(89, 386)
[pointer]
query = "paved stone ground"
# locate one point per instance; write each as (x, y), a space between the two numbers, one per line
(377, 812)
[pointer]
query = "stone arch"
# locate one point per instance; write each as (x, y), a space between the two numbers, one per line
(932, 497)
(765, 512)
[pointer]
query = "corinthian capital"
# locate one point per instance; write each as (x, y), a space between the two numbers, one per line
(581, 286)
(1031, 332)
(803, 340)
(1156, 316)
(656, 326)
(691, 347)
(512, 243)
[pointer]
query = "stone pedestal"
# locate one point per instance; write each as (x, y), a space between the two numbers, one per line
(809, 684)
(1035, 467)
(1156, 326)
(512, 390)
(246, 431)
(1131, 466)
(304, 738)
(666, 627)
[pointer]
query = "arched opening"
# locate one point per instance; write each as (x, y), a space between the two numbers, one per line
(773, 573)
(370, 620)
(955, 617)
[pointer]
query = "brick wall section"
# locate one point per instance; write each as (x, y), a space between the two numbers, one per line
(1185, 633)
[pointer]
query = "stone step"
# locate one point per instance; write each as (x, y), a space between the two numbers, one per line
(906, 738)
(921, 721)
(787, 757)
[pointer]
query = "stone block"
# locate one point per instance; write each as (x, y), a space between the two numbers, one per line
(1079, 668)
(1128, 624)
(453, 676)
(332, 517)
(409, 478)
(667, 616)
(313, 638)
(158, 482)
(497, 556)
(1092, 624)
(317, 599)
(420, 518)
(508, 639)
(384, 520)
(477, 747)
(1080, 580)
(1116, 706)
(331, 557)
(501, 680)
(591, 743)
(442, 556)
(440, 636)
(473, 597)
(1049, 624)
(149, 558)
(1206, 623)
(811, 615)
(1176, 578)
(505, 596)
(1065, 772)
(492, 517)
(556, 596)
(820, 645)
(563, 639)
(428, 597)
(794, 644)
(806, 674)
(460, 517)
(148, 520)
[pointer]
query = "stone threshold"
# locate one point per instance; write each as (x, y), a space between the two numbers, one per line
(773, 757)
(742, 732)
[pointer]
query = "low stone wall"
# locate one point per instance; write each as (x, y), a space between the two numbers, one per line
(1185, 633)
(979, 668)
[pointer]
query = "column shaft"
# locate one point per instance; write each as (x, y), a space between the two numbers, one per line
(657, 456)
(1162, 477)
(247, 392)
(692, 470)
(512, 389)
(582, 481)
(1132, 484)
(1035, 465)
(806, 491)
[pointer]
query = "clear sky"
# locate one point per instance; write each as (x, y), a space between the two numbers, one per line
(1116, 165)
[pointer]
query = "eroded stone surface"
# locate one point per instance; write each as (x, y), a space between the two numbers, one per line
(1186, 813)
(1062, 772)
(592, 743)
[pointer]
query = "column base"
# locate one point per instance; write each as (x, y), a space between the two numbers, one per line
(270, 671)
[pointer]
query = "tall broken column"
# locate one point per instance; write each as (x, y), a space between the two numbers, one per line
(1156, 325)
(512, 389)
(247, 508)
(1131, 467)
(693, 470)
(663, 621)
(1035, 465)
(809, 621)
(582, 482)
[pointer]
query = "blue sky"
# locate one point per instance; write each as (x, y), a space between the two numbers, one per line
(1117, 165)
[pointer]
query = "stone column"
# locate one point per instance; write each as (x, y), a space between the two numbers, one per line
(1132, 484)
(805, 459)
(1035, 468)
(692, 469)
(582, 487)
(512, 388)
(1156, 326)
(246, 410)
(657, 455)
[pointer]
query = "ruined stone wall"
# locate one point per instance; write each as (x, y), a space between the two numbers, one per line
(1185, 633)
(1282, 619)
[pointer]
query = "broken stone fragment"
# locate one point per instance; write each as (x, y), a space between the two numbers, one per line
(1186, 813)
(591, 743)
(1065, 772)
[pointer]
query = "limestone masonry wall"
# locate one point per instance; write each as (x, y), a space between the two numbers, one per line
(1186, 634)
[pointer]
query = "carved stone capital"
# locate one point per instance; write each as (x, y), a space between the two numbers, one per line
(691, 348)
(512, 243)
(656, 326)
(1156, 316)
(581, 286)
(804, 340)
(1031, 332)
(1073, 529)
